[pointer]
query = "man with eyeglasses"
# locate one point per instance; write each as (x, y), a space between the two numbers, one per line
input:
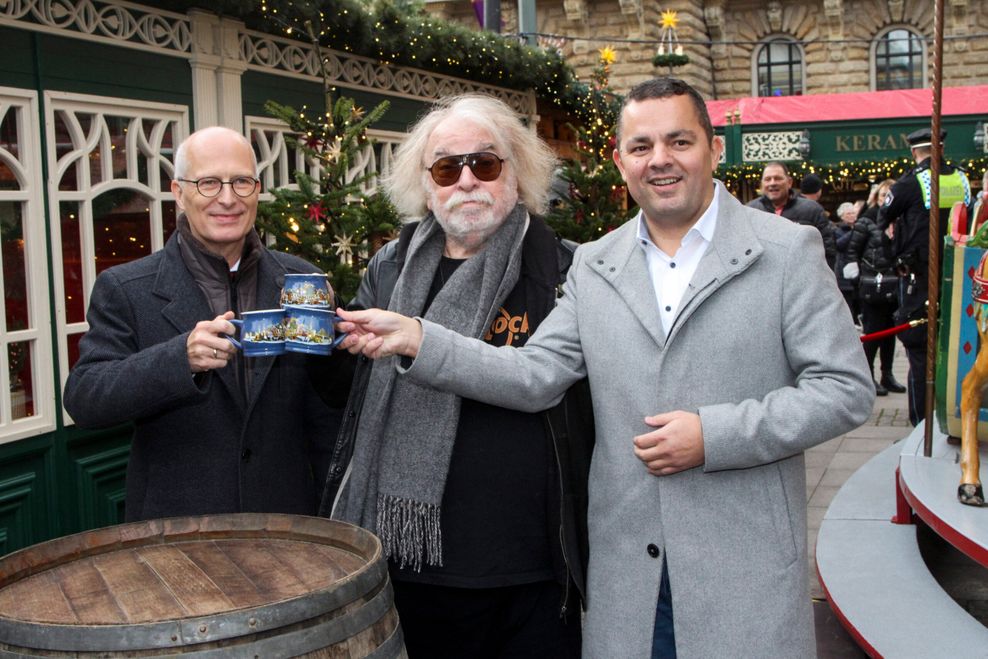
(481, 509)
(718, 349)
(213, 432)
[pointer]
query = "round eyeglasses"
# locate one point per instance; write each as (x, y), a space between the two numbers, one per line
(210, 186)
(486, 166)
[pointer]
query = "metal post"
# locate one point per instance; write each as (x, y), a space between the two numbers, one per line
(933, 275)
(492, 15)
(526, 21)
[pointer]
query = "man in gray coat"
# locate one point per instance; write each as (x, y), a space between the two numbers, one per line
(213, 432)
(718, 349)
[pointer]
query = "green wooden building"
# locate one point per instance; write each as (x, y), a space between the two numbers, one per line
(94, 97)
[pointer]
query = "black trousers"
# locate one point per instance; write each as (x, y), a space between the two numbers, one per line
(912, 306)
(876, 316)
(517, 622)
(916, 384)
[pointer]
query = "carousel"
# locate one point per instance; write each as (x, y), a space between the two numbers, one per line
(868, 550)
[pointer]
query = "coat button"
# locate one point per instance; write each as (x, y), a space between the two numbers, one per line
(245, 456)
(337, 470)
(652, 550)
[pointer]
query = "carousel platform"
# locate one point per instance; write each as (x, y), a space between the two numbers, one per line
(869, 561)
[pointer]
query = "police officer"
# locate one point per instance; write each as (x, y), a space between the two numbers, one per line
(907, 212)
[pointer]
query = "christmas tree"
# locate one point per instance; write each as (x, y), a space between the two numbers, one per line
(328, 220)
(596, 200)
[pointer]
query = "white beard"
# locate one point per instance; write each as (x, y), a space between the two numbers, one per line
(471, 227)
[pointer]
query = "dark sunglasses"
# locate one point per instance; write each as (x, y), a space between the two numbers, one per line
(485, 166)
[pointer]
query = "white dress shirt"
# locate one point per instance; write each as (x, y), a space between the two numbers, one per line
(671, 275)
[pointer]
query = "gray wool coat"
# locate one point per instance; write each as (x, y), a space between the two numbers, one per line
(198, 446)
(764, 349)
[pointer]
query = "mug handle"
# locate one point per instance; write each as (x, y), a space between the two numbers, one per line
(239, 324)
(339, 337)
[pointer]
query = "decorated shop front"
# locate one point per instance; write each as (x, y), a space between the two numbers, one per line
(850, 140)
(95, 95)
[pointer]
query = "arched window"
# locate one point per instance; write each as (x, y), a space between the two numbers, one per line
(778, 68)
(899, 60)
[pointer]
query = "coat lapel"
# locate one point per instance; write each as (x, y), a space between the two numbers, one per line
(732, 250)
(270, 279)
(623, 264)
(185, 305)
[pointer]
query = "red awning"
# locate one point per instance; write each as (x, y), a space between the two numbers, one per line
(846, 107)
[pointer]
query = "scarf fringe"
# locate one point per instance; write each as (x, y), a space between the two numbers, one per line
(408, 529)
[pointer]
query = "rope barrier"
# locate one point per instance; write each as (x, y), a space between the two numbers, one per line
(892, 331)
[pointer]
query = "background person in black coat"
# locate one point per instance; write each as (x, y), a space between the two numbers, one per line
(870, 249)
(779, 198)
(213, 432)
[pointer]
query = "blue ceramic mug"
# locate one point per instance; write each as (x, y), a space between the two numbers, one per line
(262, 333)
(310, 290)
(310, 330)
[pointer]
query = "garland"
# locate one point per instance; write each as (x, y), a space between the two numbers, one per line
(403, 33)
(873, 171)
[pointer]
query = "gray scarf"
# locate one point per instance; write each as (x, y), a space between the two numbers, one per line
(406, 432)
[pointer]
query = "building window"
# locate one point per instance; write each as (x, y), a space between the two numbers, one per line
(899, 56)
(110, 191)
(26, 373)
(779, 68)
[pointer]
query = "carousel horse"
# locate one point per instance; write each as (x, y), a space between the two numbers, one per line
(972, 389)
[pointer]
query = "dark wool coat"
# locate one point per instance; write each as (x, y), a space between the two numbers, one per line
(197, 449)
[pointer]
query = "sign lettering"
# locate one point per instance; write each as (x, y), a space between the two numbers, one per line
(871, 142)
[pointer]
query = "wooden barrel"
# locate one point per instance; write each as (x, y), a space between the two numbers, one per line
(247, 585)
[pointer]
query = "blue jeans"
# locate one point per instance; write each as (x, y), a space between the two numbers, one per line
(664, 636)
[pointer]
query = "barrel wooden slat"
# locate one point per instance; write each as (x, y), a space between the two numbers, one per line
(242, 585)
(45, 595)
(273, 578)
(84, 589)
(225, 573)
(188, 584)
(310, 565)
(136, 588)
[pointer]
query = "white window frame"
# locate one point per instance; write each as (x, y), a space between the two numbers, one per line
(27, 167)
(276, 167)
(176, 115)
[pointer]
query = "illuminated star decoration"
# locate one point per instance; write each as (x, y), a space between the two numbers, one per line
(607, 55)
(334, 150)
(344, 246)
(669, 52)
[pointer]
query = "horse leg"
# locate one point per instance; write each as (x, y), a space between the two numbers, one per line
(970, 491)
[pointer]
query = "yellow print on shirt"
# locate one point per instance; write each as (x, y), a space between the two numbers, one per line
(508, 326)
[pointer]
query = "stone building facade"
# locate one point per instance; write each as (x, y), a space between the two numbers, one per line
(821, 46)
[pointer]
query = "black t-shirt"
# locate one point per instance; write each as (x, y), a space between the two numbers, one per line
(494, 511)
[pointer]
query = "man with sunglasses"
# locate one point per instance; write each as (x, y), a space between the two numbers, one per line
(718, 349)
(481, 509)
(213, 432)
